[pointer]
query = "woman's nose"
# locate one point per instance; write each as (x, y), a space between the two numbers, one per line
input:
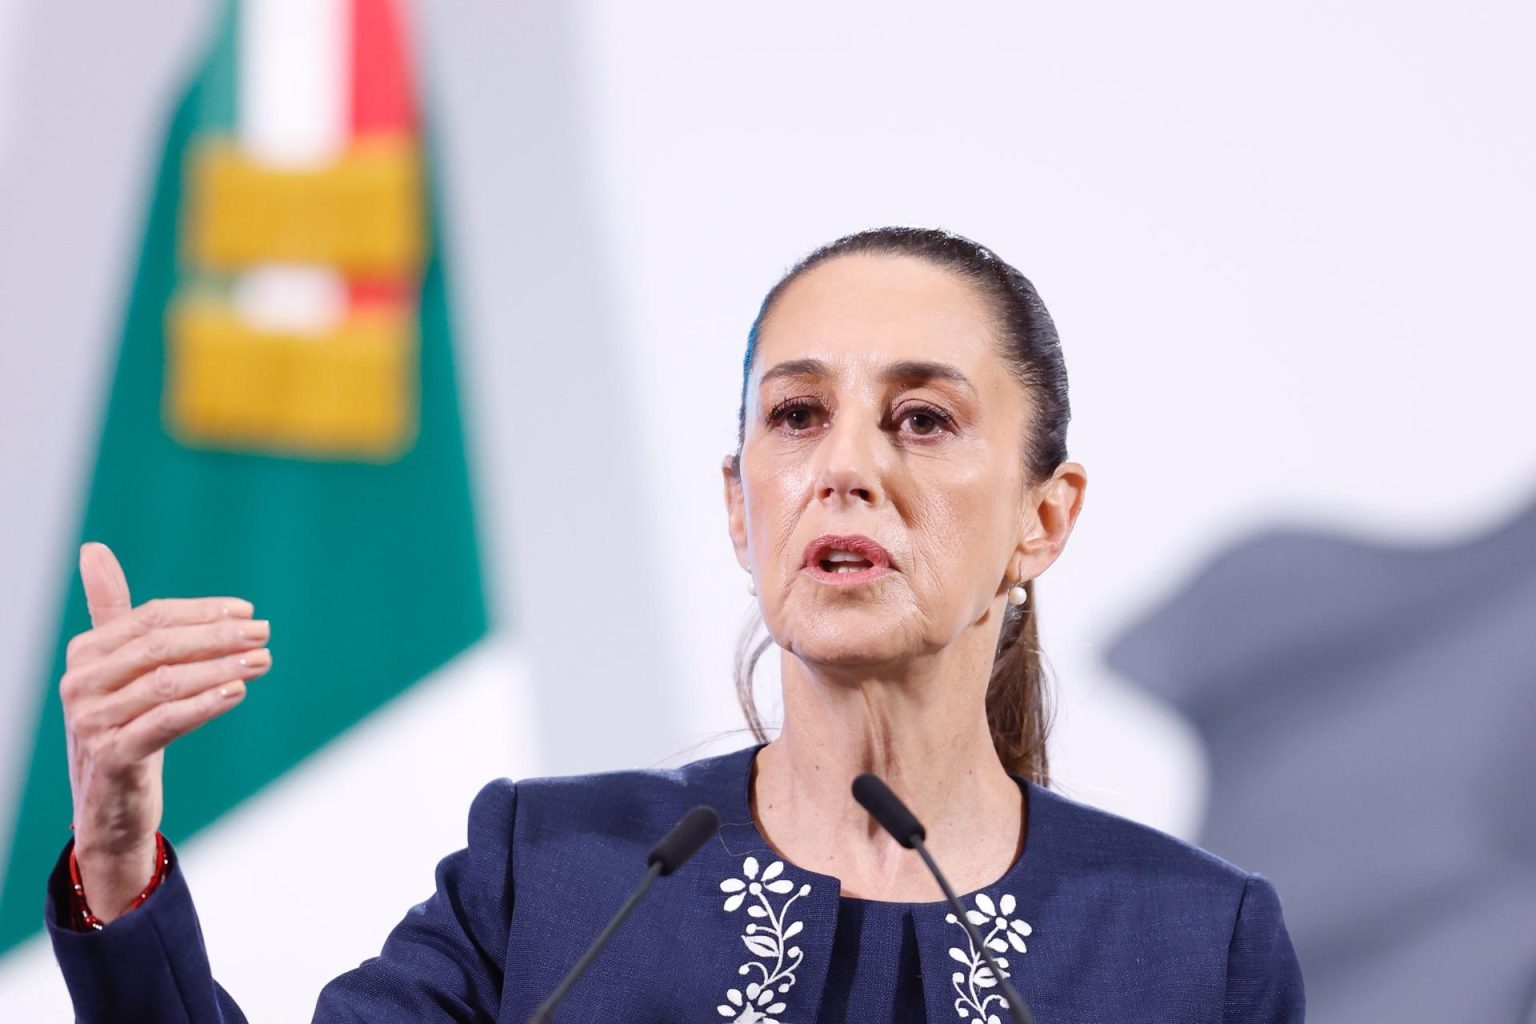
(847, 465)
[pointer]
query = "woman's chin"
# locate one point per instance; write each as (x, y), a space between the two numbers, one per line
(853, 629)
(847, 646)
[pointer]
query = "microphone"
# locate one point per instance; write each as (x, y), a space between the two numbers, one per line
(685, 839)
(692, 832)
(886, 807)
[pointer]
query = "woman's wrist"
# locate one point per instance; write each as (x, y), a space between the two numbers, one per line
(105, 887)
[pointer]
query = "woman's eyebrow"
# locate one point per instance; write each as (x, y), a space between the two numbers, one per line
(795, 368)
(914, 372)
(908, 373)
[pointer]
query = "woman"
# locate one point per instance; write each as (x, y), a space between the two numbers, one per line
(901, 479)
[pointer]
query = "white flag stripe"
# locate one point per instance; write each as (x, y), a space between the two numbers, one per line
(295, 90)
(295, 70)
(291, 297)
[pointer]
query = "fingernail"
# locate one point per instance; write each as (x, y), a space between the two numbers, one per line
(256, 659)
(257, 629)
(231, 690)
(238, 609)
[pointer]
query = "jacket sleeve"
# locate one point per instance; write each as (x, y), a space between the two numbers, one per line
(1263, 975)
(442, 964)
(147, 966)
(445, 961)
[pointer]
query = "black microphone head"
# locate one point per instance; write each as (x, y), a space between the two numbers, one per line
(685, 839)
(886, 808)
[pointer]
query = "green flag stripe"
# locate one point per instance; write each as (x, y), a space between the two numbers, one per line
(218, 102)
(369, 573)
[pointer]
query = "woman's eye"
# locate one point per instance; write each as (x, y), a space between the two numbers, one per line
(924, 422)
(798, 415)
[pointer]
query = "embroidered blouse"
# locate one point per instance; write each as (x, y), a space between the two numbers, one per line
(1099, 919)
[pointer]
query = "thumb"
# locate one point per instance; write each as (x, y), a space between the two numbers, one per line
(106, 588)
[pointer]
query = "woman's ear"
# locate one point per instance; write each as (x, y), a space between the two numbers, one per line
(735, 508)
(1049, 515)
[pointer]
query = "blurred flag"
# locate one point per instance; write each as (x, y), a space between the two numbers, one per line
(283, 422)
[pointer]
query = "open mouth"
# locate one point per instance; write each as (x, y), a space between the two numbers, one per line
(846, 559)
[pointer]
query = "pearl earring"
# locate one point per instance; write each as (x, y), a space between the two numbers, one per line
(1017, 595)
(751, 586)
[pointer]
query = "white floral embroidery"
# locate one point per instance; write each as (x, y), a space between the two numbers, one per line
(767, 938)
(971, 983)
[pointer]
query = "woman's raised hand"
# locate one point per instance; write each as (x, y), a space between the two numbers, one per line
(134, 681)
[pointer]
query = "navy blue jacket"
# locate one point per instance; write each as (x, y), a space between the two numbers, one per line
(1099, 920)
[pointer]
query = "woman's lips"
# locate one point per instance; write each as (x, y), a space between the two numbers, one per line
(844, 561)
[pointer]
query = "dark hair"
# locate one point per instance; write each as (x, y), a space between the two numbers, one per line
(1017, 713)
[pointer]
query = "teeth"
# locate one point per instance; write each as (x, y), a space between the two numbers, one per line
(847, 568)
(844, 556)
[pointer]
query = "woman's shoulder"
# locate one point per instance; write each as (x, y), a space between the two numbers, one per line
(629, 801)
(1129, 885)
(1098, 847)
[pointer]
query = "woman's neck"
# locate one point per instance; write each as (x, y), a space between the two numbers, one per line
(923, 729)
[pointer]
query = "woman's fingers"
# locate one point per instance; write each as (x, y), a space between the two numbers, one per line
(150, 616)
(106, 588)
(165, 722)
(168, 683)
(136, 680)
(166, 646)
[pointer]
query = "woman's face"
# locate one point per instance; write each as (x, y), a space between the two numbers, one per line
(883, 506)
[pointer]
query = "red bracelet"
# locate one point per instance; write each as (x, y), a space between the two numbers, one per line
(81, 917)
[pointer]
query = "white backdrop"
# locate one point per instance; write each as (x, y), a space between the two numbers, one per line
(1288, 251)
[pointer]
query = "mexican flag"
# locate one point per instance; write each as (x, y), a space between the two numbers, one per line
(283, 421)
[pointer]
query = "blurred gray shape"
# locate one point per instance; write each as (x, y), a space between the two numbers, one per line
(547, 379)
(1369, 712)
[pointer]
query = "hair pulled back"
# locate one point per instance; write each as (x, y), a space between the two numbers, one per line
(1017, 712)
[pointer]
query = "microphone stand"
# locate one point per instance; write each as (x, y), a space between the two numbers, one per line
(692, 832)
(548, 1006)
(897, 819)
(1021, 1014)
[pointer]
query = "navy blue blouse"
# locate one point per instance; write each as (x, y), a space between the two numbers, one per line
(1098, 920)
